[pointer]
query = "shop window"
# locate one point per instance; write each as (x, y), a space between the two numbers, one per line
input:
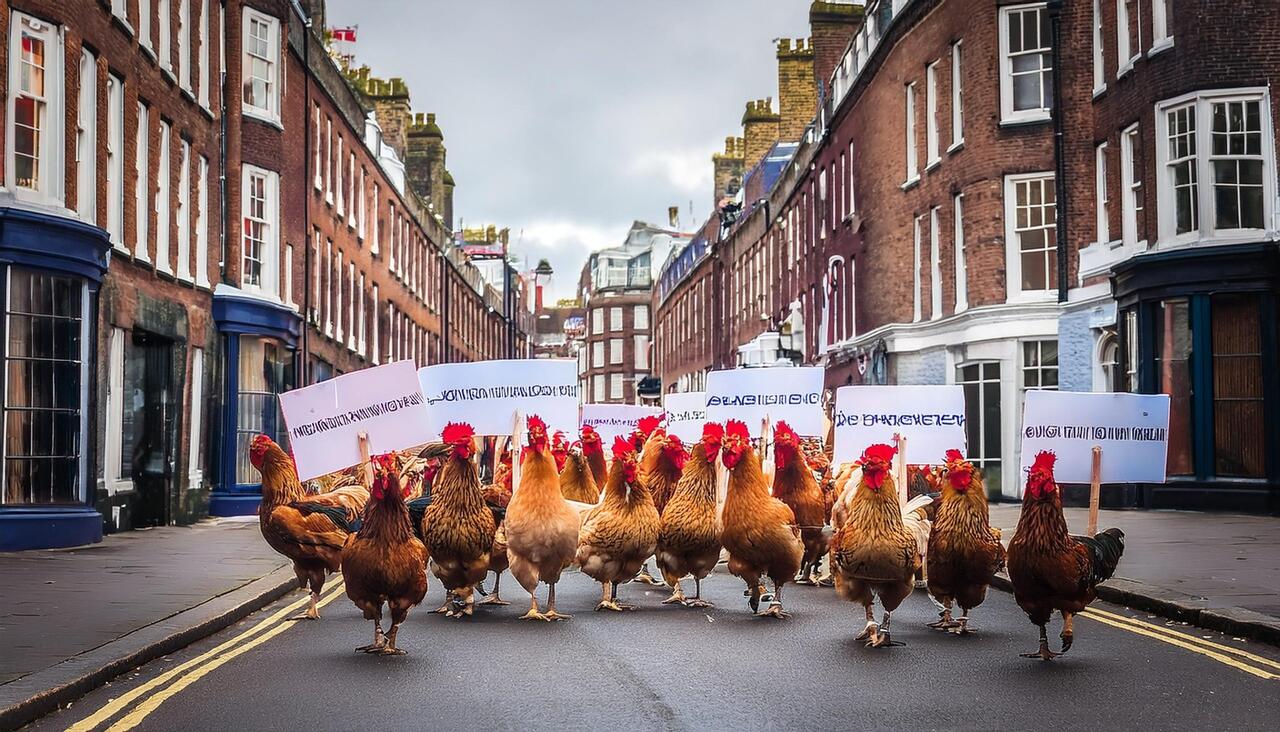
(44, 388)
(1238, 404)
(1173, 376)
(265, 371)
(981, 383)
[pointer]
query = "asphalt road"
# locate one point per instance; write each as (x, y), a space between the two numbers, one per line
(669, 667)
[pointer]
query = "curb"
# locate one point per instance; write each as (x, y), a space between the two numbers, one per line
(1234, 621)
(35, 695)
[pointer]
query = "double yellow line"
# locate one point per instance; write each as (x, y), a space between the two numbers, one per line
(193, 670)
(1251, 663)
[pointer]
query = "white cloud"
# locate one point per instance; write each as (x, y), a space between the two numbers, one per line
(689, 171)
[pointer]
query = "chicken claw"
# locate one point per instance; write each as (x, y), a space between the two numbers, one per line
(962, 627)
(676, 598)
(698, 602)
(869, 632)
(775, 611)
(1044, 653)
(533, 614)
(613, 605)
(944, 621)
(493, 599)
(552, 615)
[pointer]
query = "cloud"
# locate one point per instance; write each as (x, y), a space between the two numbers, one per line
(688, 171)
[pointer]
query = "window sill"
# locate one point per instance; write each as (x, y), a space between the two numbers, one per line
(167, 72)
(263, 117)
(956, 147)
(933, 164)
(1025, 120)
(910, 183)
(1031, 297)
(147, 50)
(204, 107)
(1128, 66)
(1099, 91)
(1163, 44)
(122, 24)
(191, 97)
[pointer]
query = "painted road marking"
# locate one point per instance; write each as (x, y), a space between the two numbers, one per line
(1182, 635)
(1165, 636)
(134, 718)
(114, 706)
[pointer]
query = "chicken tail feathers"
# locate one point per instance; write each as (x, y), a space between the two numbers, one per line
(337, 514)
(1105, 550)
(417, 510)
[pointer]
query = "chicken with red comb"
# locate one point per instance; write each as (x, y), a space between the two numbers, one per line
(458, 527)
(689, 537)
(620, 533)
(795, 485)
(964, 552)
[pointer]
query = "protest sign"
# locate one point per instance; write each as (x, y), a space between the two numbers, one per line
(325, 419)
(612, 420)
(686, 413)
(930, 417)
(1131, 429)
(486, 394)
(783, 394)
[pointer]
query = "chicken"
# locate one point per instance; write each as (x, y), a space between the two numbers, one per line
(618, 535)
(648, 440)
(498, 496)
(663, 463)
(576, 480)
(689, 537)
(541, 527)
(759, 530)
(874, 554)
(1050, 569)
(560, 450)
(310, 529)
(794, 485)
(458, 527)
(593, 449)
(963, 552)
(385, 562)
(643, 432)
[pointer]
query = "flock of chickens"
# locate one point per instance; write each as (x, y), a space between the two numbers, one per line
(777, 517)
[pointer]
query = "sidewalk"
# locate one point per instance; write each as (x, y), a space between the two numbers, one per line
(71, 619)
(1215, 570)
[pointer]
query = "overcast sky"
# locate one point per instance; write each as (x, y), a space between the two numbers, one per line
(566, 120)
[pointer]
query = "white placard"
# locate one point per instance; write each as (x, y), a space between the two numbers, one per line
(611, 420)
(325, 419)
(486, 394)
(787, 394)
(1131, 429)
(931, 418)
(686, 413)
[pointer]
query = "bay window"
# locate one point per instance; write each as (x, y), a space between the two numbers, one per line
(981, 384)
(33, 160)
(1026, 63)
(1031, 248)
(261, 67)
(265, 371)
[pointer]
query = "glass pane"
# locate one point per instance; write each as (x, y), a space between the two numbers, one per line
(1173, 351)
(991, 420)
(1239, 427)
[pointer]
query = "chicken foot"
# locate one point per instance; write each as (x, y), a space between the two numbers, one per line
(962, 624)
(379, 640)
(871, 629)
(533, 613)
(677, 594)
(1068, 635)
(775, 607)
(551, 614)
(646, 577)
(609, 599)
(881, 638)
(944, 621)
(493, 598)
(697, 600)
(1044, 653)
(390, 648)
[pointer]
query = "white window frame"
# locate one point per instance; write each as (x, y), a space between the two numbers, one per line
(597, 354)
(112, 479)
(597, 389)
(1161, 36)
(317, 178)
(184, 45)
(640, 317)
(362, 325)
(1130, 185)
(352, 200)
(195, 441)
(286, 286)
(328, 160)
(615, 351)
(338, 170)
(377, 343)
(271, 112)
(203, 69)
(351, 305)
(87, 139)
(615, 386)
(597, 321)
(1007, 112)
(115, 160)
(1013, 248)
(50, 168)
(163, 193)
(336, 285)
(916, 304)
(142, 185)
(184, 212)
(1099, 50)
(163, 48)
(360, 207)
(269, 255)
(957, 96)
(202, 224)
(1126, 56)
(1102, 199)
(961, 268)
(933, 154)
(328, 290)
(853, 201)
(144, 26)
(375, 243)
(1206, 231)
(935, 265)
(641, 351)
(615, 319)
(909, 128)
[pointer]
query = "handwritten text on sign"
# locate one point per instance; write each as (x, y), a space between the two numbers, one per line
(612, 420)
(487, 394)
(1131, 429)
(787, 394)
(686, 413)
(325, 419)
(930, 417)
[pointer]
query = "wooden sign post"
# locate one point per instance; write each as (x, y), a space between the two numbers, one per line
(900, 475)
(766, 448)
(1095, 491)
(517, 426)
(366, 462)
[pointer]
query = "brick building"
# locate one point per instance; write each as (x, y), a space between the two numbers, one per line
(198, 211)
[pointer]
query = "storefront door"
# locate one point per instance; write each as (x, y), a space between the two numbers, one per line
(152, 392)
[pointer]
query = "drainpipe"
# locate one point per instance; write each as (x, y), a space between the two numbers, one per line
(304, 372)
(1059, 153)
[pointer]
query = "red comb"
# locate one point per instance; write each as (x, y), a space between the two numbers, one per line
(712, 432)
(735, 428)
(536, 423)
(1044, 463)
(623, 449)
(883, 453)
(782, 432)
(589, 434)
(649, 424)
(456, 432)
(954, 456)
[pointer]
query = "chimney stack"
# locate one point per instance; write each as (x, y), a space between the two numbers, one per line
(391, 108)
(760, 127)
(797, 94)
(831, 26)
(728, 170)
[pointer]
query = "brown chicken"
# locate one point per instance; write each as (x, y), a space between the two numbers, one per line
(593, 449)
(458, 526)
(759, 530)
(663, 462)
(794, 485)
(576, 480)
(963, 551)
(310, 529)
(874, 554)
(689, 537)
(560, 450)
(497, 495)
(541, 527)
(621, 533)
(385, 563)
(1051, 569)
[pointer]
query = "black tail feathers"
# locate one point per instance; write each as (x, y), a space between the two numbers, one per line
(1105, 549)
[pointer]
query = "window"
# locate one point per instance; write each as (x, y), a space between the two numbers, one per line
(142, 190)
(913, 167)
(1107, 377)
(195, 442)
(377, 232)
(317, 180)
(597, 354)
(615, 386)
(184, 44)
(981, 383)
(1131, 184)
(1101, 210)
(261, 61)
(34, 116)
(46, 329)
(360, 208)
(1031, 234)
(87, 140)
(1026, 63)
(377, 343)
(115, 160)
(202, 224)
(338, 165)
(1040, 365)
(351, 305)
(642, 351)
(849, 181)
(1180, 168)
(266, 370)
(184, 213)
(1099, 73)
(615, 319)
(162, 203)
(1239, 421)
(336, 284)
(931, 113)
(1161, 14)
(962, 284)
(286, 291)
(1128, 47)
(957, 96)
(351, 190)
(1237, 163)
(164, 16)
(597, 321)
(1173, 368)
(915, 268)
(203, 69)
(328, 289)
(615, 351)
(641, 317)
(261, 214)
(111, 459)
(362, 327)
(144, 23)
(935, 266)
(597, 388)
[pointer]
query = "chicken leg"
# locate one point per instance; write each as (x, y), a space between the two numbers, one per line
(494, 598)
(775, 608)
(881, 638)
(647, 578)
(871, 628)
(379, 640)
(390, 648)
(1044, 653)
(1068, 635)
(677, 593)
(551, 614)
(697, 600)
(944, 621)
(962, 624)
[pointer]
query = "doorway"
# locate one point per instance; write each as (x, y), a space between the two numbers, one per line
(150, 421)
